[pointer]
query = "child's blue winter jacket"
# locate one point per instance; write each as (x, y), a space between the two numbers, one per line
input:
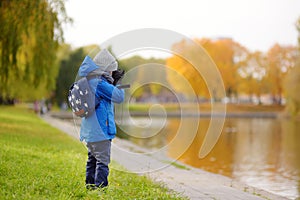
(101, 124)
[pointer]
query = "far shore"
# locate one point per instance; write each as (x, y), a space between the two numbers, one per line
(209, 114)
(69, 115)
(191, 110)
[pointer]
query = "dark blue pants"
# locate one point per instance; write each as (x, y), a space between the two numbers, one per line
(97, 164)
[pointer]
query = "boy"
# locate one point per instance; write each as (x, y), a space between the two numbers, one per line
(99, 129)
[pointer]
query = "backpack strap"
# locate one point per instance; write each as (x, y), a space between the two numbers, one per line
(90, 77)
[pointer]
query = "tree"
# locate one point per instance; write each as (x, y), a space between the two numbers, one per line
(228, 56)
(280, 60)
(140, 71)
(67, 73)
(292, 87)
(252, 72)
(224, 52)
(184, 75)
(292, 82)
(30, 34)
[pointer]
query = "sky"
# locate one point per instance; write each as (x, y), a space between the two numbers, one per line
(255, 24)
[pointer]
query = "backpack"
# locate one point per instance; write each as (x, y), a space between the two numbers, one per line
(81, 98)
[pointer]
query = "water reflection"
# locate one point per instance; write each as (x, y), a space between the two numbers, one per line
(264, 153)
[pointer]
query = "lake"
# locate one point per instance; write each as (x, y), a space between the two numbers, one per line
(261, 152)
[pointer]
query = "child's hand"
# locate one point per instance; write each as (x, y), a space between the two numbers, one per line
(117, 75)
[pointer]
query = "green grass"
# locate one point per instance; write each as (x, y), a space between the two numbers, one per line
(177, 165)
(144, 107)
(206, 107)
(40, 162)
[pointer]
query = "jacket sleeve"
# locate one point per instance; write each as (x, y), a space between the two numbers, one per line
(109, 92)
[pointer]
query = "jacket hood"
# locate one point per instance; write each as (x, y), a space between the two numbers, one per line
(106, 61)
(87, 66)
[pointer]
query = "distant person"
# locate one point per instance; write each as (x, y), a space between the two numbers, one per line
(64, 106)
(36, 107)
(99, 129)
(43, 109)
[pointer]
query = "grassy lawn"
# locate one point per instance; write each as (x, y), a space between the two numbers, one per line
(206, 107)
(40, 162)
